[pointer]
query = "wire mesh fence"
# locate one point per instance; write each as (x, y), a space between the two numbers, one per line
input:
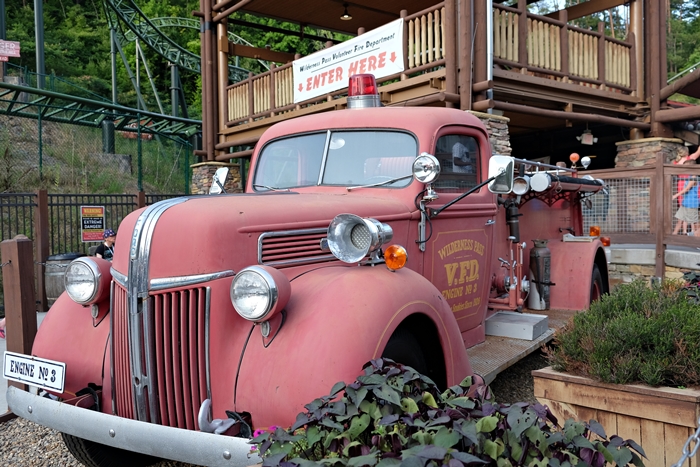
(69, 158)
(623, 208)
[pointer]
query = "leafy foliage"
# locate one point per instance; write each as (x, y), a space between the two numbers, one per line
(637, 334)
(393, 415)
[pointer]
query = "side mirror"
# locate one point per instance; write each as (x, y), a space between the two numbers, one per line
(501, 167)
(218, 182)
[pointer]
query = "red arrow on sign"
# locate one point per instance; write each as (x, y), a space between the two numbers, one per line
(301, 87)
(393, 57)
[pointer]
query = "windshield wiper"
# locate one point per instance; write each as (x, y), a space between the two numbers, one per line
(385, 182)
(271, 188)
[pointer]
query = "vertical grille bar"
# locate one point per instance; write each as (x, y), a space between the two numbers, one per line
(122, 365)
(185, 357)
(159, 346)
(175, 359)
(193, 353)
(169, 397)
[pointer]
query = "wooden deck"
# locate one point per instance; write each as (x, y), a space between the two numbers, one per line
(496, 354)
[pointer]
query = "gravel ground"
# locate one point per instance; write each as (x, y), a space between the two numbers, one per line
(24, 444)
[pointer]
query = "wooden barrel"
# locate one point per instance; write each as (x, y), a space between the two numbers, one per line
(55, 270)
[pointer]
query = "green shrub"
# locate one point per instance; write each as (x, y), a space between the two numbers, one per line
(393, 415)
(636, 334)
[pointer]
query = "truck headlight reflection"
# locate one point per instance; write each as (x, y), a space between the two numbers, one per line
(259, 292)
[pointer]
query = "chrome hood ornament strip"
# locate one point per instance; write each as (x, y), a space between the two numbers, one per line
(182, 281)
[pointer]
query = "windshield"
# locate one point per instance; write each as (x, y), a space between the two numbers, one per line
(338, 158)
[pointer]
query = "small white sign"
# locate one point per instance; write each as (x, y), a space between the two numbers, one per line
(36, 371)
(379, 52)
(9, 48)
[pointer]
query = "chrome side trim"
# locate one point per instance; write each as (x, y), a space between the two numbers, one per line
(111, 345)
(207, 304)
(119, 278)
(172, 282)
(141, 347)
(192, 447)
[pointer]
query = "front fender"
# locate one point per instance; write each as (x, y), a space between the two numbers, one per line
(67, 335)
(572, 266)
(338, 318)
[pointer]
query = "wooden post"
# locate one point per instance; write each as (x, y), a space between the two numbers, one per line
(660, 201)
(18, 286)
(564, 42)
(480, 58)
(41, 224)
(601, 52)
(464, 46)
(450, 46)
(140, 199)
(403, 15)
(523, 33)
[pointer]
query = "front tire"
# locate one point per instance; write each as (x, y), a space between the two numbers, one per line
(597, 287)
(93, 454)
(404, 348)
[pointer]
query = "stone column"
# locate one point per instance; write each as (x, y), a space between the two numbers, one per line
(497, 126)
(642, 152)
(203, 173)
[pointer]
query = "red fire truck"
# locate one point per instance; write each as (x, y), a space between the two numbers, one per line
(367, 232)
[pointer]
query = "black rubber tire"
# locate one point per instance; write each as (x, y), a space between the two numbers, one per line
(94, 454)
(403, 347)
(597, 288)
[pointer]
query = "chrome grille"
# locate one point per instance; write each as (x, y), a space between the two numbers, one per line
(178, 335)
(292, 247)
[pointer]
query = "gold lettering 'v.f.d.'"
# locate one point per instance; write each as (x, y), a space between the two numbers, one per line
(468, 271)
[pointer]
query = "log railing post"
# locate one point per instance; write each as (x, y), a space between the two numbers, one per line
(41, 226)
(17, 259)
(522, 33)
(601, 53)
(564, 42)
(251, 97)
(403, 14)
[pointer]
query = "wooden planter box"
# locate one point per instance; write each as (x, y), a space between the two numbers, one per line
(659, 419)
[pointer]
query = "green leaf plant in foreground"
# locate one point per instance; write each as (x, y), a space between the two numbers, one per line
(393, 415)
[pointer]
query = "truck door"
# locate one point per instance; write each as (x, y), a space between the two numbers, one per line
(458, 251)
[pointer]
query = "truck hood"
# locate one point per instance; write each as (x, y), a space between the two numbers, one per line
(209, 234)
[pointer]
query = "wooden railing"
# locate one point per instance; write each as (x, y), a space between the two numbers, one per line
(533, 43)
(551, 46)
(272, 92)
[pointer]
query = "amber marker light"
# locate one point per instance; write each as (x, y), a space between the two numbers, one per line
(594, 231)
(605, 241)
(395, 257)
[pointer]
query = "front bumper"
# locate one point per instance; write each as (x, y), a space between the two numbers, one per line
(193, 447)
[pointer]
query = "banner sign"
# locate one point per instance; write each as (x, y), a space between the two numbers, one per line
(379, 52)
(9, 48)
(92, 222)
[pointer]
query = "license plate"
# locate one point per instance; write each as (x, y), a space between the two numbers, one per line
(36, 371)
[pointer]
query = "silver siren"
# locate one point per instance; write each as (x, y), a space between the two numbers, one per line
(351, 238)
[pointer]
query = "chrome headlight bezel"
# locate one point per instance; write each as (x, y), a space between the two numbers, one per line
(96, 284)
(274, 291)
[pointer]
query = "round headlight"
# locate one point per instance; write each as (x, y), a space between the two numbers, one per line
(351, 237)
(258, 292)
(82, 281)
(426, 168)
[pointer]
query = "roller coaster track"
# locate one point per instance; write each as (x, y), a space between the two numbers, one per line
(23, 101)
(127, 13)
(190, 23)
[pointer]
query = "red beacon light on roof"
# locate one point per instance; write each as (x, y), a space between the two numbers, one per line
(362, 92)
